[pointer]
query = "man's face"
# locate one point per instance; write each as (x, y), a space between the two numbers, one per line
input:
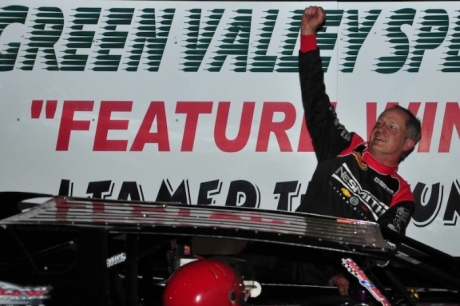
(389, 137)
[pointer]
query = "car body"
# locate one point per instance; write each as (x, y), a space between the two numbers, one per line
(81, 251)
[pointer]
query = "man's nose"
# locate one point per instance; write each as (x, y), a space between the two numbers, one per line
(382, 128)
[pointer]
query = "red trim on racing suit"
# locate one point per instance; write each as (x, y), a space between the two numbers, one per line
(348, 181)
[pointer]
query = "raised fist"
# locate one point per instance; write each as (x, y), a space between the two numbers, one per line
(312, 19)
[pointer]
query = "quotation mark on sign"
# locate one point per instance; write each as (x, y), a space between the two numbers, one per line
(37, 106)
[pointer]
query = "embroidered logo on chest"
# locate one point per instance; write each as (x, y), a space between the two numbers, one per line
(383, 185)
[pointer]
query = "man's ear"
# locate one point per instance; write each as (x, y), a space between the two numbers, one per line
(410, 143)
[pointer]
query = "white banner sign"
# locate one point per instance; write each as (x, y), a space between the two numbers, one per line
(199, 102)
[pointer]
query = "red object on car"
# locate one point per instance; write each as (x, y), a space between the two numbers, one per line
(204, 282)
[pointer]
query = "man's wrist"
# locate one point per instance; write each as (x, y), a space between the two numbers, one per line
(307, 31)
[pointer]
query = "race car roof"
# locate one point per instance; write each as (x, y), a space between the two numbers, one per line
(128, 216)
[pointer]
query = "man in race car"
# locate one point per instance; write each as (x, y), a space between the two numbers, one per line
(354, 178)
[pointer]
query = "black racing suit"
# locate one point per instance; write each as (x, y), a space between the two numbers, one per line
(348, 181)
